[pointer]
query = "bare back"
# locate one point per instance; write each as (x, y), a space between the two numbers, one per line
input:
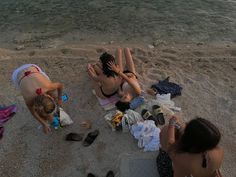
(30, 83)
(185, 164)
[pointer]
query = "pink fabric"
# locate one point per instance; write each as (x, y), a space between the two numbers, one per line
(5, 114)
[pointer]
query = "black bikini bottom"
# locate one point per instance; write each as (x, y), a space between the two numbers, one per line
(108, 95)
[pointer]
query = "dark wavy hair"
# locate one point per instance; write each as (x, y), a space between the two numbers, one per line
(44, 103)
(199, 136)
(122, 106)
(105, 58)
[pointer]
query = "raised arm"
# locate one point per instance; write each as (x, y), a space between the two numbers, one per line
(130, 81)
(175, 123)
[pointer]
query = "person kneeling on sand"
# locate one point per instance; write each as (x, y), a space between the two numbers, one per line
(38, 92)
(129, 88)
(190, 150)
(106, 82)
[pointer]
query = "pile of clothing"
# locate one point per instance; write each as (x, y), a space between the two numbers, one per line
(6, 113)
(145, 131)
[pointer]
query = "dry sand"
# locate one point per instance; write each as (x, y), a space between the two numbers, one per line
(206, 73)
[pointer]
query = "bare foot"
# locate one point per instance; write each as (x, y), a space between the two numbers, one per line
(91, 72)
(151, 91)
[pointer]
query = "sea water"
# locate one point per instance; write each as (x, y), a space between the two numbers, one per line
(29, 22)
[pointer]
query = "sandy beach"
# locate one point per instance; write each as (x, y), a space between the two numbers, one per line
(207, 74)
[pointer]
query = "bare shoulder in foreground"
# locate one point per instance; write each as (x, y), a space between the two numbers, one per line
(193, 149)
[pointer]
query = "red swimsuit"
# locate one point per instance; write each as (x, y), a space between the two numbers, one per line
(27, 73)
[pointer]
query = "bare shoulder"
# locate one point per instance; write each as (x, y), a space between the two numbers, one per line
(216, 157)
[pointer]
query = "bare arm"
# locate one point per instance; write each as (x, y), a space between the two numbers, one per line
(130, 81)
(59, 87)
(38, 118)
(175, 123)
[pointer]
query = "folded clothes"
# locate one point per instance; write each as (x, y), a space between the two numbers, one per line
(6, 113)
(164, 87)
(107, 103)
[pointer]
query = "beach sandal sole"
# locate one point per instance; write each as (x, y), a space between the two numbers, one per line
(110, 174)
(90, 138)
(74, 137)
(158, 114)
(148, 116)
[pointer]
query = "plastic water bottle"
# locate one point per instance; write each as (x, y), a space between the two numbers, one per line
(55, 122)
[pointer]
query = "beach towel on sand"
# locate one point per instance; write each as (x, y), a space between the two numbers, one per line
(5, 114)
(108, 103)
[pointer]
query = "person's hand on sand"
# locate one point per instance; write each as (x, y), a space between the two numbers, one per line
(114, 67)
(46, 129)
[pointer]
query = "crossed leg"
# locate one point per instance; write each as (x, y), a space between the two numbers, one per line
(119, 58)
(129, 61)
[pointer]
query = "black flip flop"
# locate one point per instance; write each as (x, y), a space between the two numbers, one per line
(157, 112)
(74, 137)
(148, 116)
(90, 138)
(91, 175)
(110, 174)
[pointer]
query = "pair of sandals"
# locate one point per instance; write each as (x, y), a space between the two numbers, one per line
(79, 137)
(157, 115)
(109, 174)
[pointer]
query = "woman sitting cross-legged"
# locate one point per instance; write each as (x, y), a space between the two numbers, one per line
(190, 150)
(105, 81)
(129, 88)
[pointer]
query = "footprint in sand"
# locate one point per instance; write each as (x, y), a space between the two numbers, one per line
(233, 53)
(171, 57)
(100, 50)
(169, 51)
(139, 52)
(198, 54)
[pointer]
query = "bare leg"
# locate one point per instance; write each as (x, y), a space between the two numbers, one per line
(119, 58)
(96, 86)
(95, 82)
(98, 69)
(129, 61)
(92, 73)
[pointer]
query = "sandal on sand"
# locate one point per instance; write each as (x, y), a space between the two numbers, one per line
(110, 174)
(74, 137)
(157, 112)
(90, 138)
(91, 175)
(148, 116)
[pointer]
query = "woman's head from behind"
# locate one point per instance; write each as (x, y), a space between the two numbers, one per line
(105, 58)
(199, 136)
(44, 105)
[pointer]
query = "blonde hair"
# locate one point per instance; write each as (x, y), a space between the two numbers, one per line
(44, 103)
